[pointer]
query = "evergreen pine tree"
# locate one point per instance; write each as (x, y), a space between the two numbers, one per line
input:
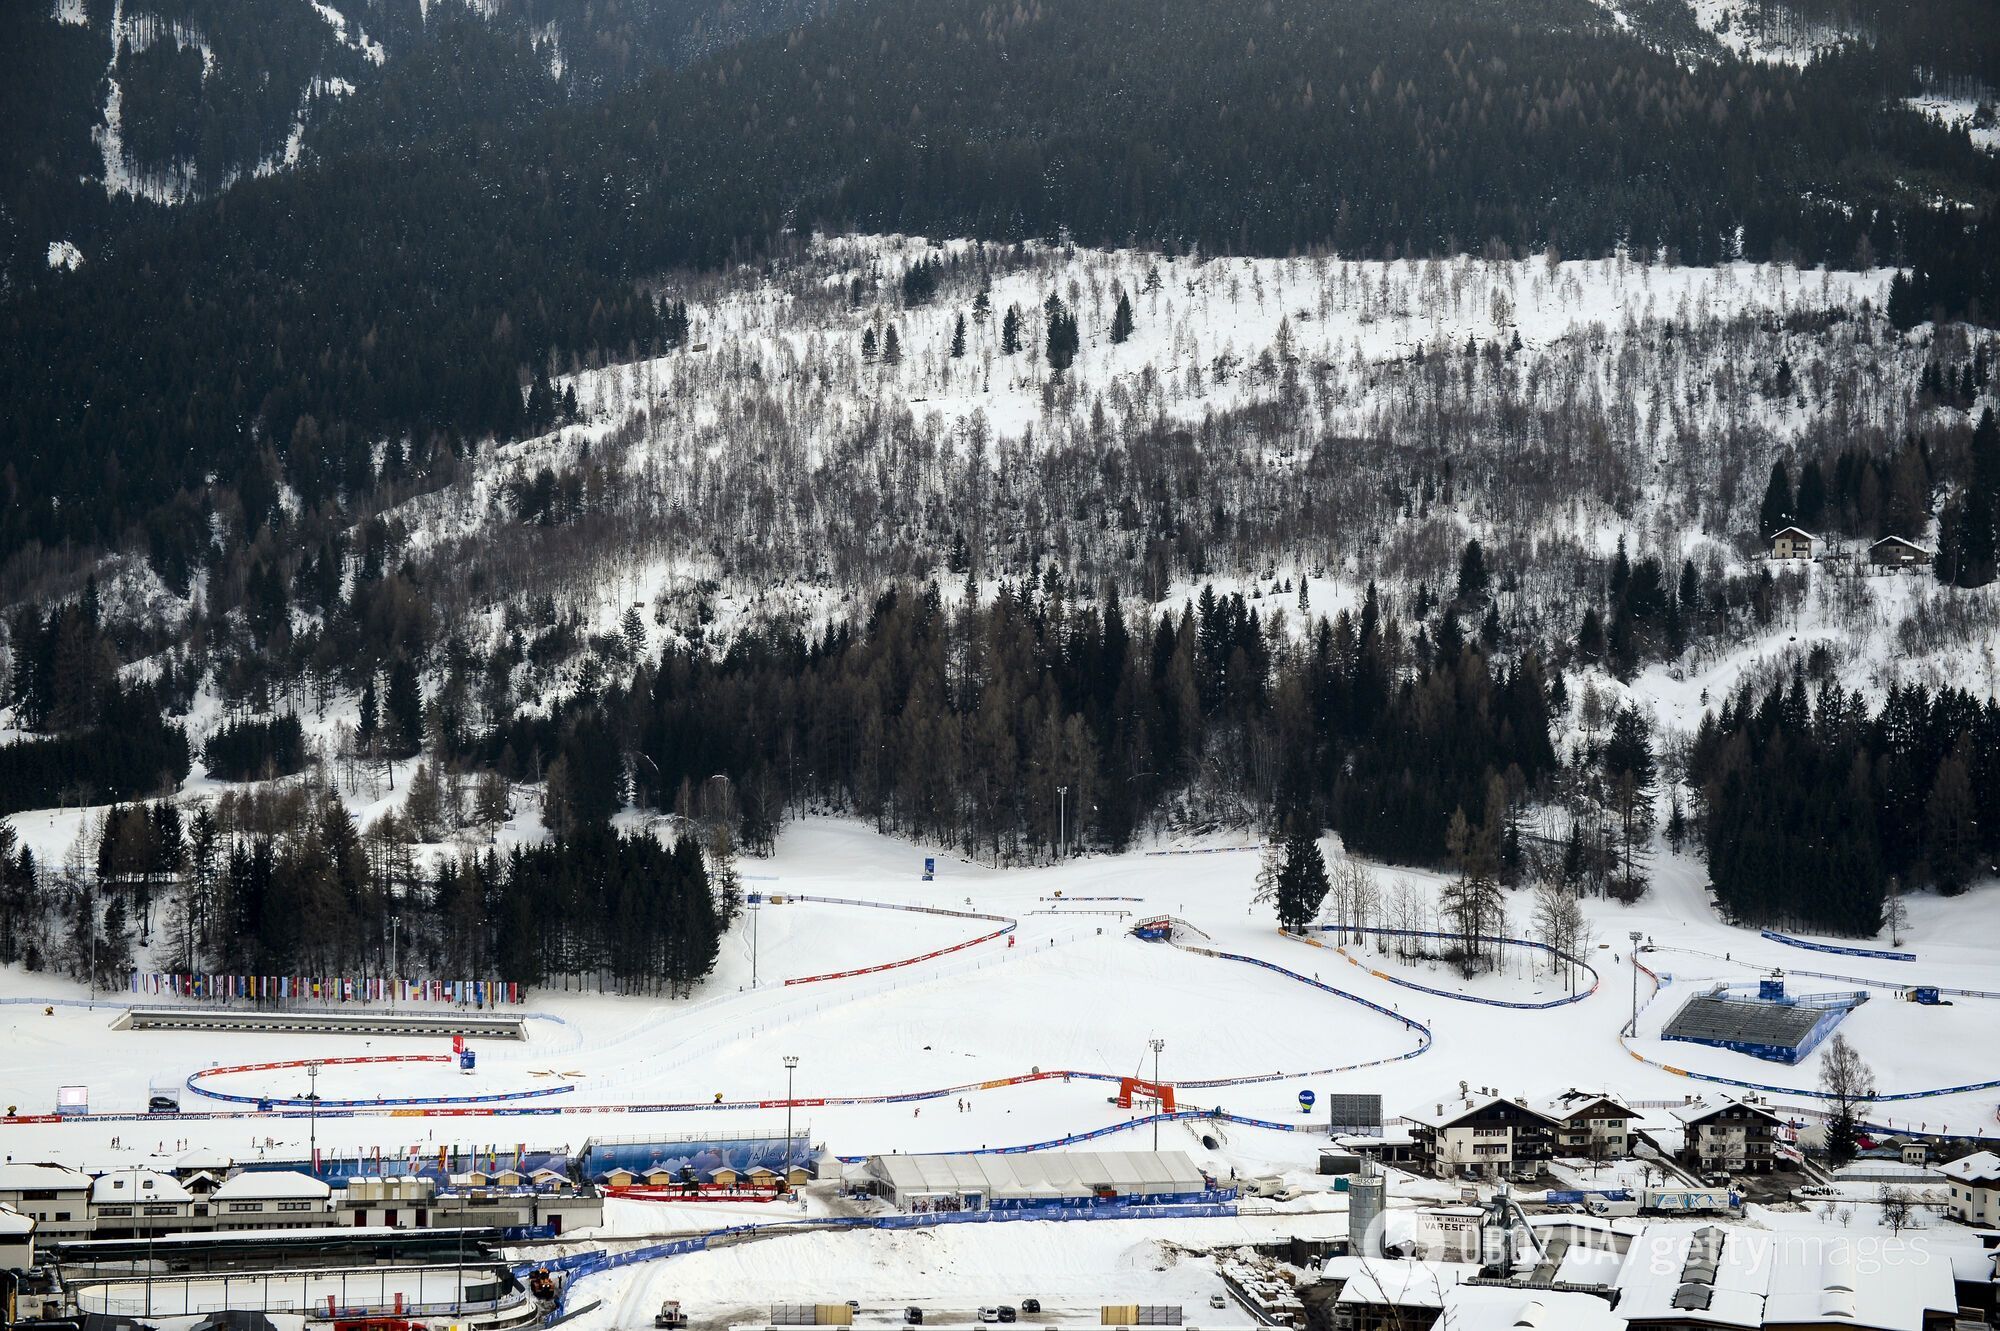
(958, 338)
(1302, 883)
(1121, 318)
(1472, 577)
(1776, 512)
(1590, 638)
(405, 708)
(1010, 331)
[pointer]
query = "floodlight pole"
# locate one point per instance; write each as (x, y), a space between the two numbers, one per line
(791, 1066)
(1158, 1101)
(1062, 821)
(1635, 936)
(312, 1114)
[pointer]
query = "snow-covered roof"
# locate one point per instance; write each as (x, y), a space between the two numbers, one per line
(1395, 1282)
(1793, 531)
(1044, 1175)
(1564, 1104)
(1442, 1114)
(1498, 1308)
(1760, 1278)
(1664, 1280)
(13, 1223)
(1893, 1286)
(272, 1184)
(1697, 1111)
(61, 1178)
(216, 1162)
(138, 1185)
(1897, 540)
(1981, 1168)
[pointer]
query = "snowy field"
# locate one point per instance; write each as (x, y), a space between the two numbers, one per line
(1065, 997)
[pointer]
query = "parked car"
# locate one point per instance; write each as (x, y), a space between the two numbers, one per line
(1031, 1305)
(854, 1305)
(1217, 1301)
(913, 1316)
(989, 1314)
(1006, 1312)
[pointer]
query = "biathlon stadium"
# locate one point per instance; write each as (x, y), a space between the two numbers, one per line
(862, 1009)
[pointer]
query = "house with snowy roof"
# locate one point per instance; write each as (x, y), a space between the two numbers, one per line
(1895, 552)
(1974, 1185)
(55, 1197)
(1485, 1136)
(1590, 1125)
(127, 1203)
(1793, 543)
(1738, 1136)
(271, 1199)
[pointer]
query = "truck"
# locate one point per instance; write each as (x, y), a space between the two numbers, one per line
(1139, 1314)
(1604, 1207)
(1694, 1201)
(812, 1314)
(670, 1315)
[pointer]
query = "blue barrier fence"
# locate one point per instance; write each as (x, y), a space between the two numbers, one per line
(1567, 999)
(1876, 953)
(1577, 1196)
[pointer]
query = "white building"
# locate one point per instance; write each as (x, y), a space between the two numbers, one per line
(1500, 1308)
(129, 1202)
(1046, 1178)
(1590, 1125)
(1485, 1136)
(17, 1240)
(1727, 1134)
(1727, 1277)
(1975, 1188)
(55, 1197)
(270, 1199)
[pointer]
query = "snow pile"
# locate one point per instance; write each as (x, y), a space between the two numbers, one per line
(64, 254)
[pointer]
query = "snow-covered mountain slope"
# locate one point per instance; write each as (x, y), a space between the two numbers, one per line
(1267, 421)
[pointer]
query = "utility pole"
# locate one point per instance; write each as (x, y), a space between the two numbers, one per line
(1635, 936)
(1159, 1101)
(753, 942)
(791, 1066)
(1062, 820)
(312, 1113)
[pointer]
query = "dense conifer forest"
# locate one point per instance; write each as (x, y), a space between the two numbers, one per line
(323, 475)
(407, 287)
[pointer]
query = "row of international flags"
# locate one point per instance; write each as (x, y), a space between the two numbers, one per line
(326, 989)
